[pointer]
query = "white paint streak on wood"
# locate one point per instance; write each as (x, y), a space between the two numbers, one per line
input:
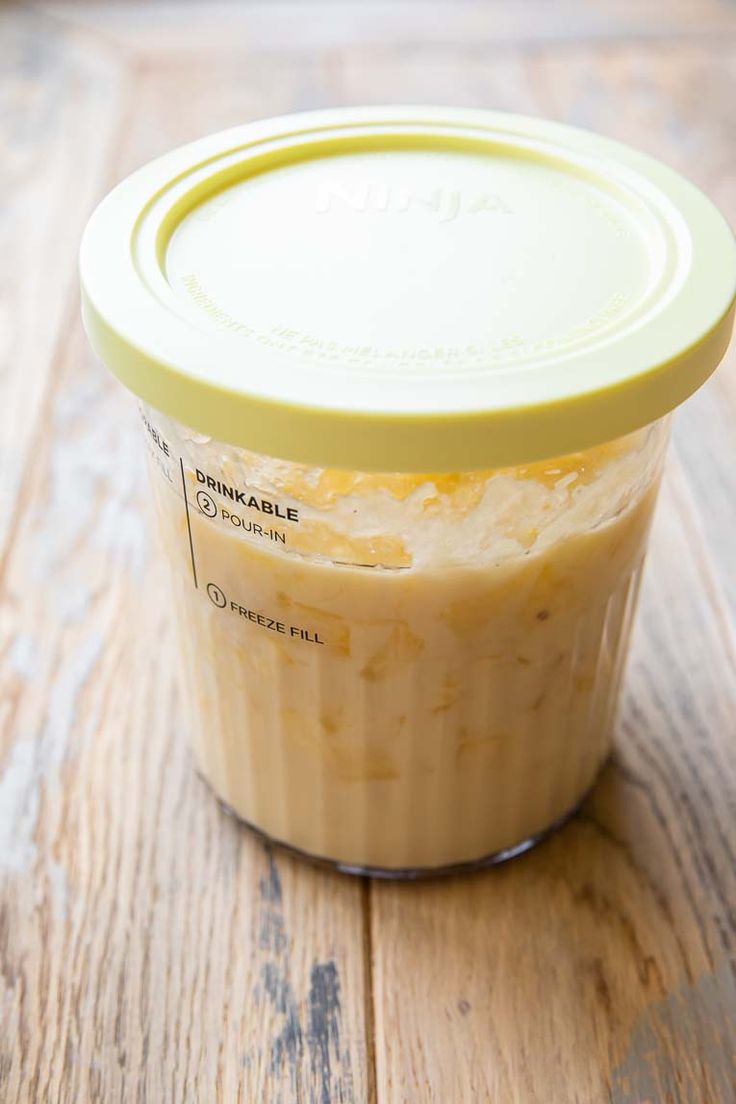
(18, 808)
(698, 1020)
(22, 655)
(58, 116)
(34, 762)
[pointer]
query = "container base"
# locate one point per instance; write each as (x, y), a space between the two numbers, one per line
(411, 873)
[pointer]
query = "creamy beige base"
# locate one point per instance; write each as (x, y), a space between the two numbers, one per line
(449, 714)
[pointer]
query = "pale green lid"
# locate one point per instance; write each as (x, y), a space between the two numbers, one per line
(409, 288)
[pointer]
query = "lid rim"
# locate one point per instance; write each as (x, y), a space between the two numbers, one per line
(322, 442)
(170, 366)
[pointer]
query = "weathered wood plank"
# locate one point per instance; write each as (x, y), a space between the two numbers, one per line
(150, 949)
(59, 113)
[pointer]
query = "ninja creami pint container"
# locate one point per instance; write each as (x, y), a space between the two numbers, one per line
(404, 379)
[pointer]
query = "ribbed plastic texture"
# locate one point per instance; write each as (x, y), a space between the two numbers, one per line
(404, 672)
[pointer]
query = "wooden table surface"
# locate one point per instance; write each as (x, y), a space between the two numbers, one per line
(150, 949)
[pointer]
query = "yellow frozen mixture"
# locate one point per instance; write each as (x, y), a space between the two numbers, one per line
(403, 671)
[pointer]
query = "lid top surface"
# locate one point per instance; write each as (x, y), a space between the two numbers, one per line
(483, 260)
(387, 288)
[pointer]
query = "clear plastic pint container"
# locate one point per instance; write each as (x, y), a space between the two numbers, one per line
(402, 671)
(404, 378)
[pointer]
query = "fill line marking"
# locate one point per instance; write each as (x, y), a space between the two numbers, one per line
(189, 524)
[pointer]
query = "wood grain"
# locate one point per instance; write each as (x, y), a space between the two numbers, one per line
(150, 949)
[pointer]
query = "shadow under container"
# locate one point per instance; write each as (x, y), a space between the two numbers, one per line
(405, 378)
